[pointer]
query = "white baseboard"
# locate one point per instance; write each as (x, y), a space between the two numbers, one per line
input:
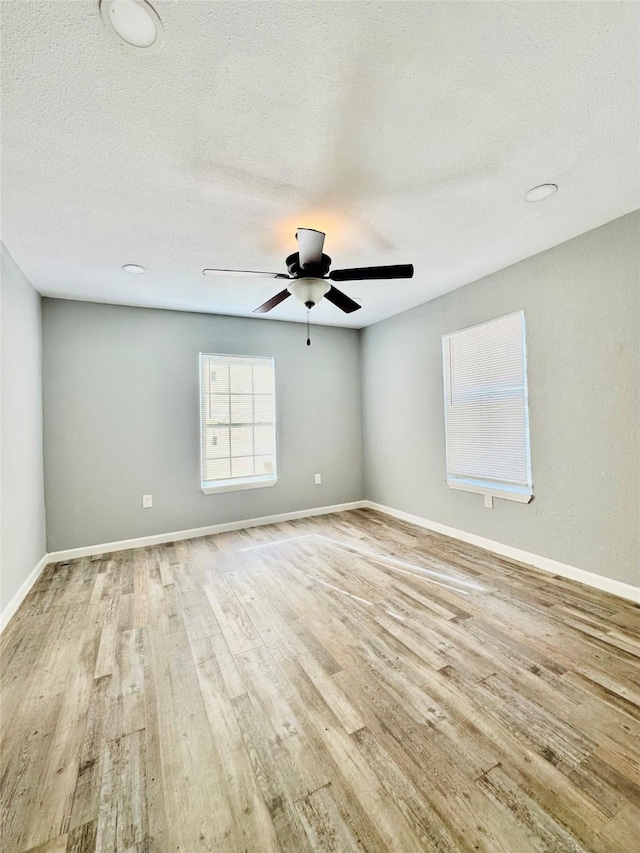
(196, 532)
(545, 563)
(158, 539)
(624, 590)
(20, 594)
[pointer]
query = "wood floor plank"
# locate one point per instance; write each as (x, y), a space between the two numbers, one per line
(197, 817)
(348, 715)
(82, 839)
(324, 825)
(56, 845)
(386, 816)
(126, 713)
(91, 757)
(545, 833)
(253, 828)
(433, 831)
(269, 769)
(154, 787)
(239, 631)
(337, 683)
(59, 780)
(122, 813)
(436, 767)
(622, 832)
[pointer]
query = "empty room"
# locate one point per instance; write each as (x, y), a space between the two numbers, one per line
(320, 443)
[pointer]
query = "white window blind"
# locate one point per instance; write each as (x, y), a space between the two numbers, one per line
(237, 422)
(486, 410)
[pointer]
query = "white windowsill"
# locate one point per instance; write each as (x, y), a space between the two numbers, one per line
(522, 497)
(237, 485)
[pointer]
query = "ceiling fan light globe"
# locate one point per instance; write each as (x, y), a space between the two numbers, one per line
(308, 290)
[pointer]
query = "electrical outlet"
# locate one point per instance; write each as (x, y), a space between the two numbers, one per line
(147, 501)
(318, 479)
(488, 501)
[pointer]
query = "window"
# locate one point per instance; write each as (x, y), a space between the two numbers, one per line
(486, 411)
(237, 422)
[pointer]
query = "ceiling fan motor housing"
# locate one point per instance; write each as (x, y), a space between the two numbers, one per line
(318, 270)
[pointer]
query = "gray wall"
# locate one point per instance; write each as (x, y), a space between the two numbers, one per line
(22, 521)
(581, 301)
(121, 419)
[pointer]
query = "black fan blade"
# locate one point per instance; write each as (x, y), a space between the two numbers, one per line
(244, 273)
(341, 300)
(371, 273)
(271, 303)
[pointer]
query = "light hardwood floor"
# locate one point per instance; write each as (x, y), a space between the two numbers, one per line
(343, 683)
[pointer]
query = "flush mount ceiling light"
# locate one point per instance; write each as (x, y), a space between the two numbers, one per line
(133, 23)
(541, 192)
(134, 269)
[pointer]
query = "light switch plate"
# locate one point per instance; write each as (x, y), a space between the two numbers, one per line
(488, 501)
(318, 479)
(147, 501)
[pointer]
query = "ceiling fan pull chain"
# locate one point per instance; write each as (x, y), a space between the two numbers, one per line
(308, 338)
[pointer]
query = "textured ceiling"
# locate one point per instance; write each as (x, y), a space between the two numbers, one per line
(410, 131)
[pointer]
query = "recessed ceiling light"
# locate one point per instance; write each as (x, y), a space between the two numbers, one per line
(135, 269)
(541, 192)
(133, 22)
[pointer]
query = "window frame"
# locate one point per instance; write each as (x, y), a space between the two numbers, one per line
(234, 484)
(478, 486)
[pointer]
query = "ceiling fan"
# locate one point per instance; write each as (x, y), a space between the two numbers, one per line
(310, 279)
